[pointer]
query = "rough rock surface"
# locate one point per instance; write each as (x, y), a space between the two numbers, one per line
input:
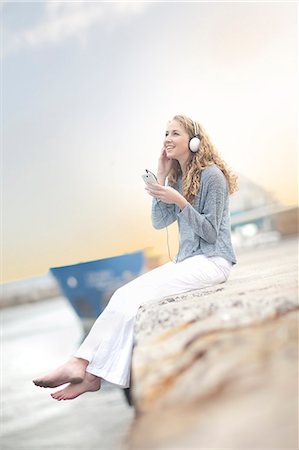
(217, 367)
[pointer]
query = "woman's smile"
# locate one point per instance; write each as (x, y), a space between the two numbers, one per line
(169, 148)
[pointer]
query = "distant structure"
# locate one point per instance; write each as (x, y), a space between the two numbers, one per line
(249, 196)
(251, 204)
(257, 217)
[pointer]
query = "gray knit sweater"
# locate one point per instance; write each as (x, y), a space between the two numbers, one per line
(204, 226)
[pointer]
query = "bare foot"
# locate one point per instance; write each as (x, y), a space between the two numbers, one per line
(89, 384)
(73, 371)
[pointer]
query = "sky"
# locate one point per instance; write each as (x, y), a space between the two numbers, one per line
(87, 90)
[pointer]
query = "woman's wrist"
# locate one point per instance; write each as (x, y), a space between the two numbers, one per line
(161, 178)
(182, 202)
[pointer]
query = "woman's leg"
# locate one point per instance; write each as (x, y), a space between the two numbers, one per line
(108, 346)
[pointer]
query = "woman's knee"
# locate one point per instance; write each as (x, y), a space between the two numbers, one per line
(116, 295)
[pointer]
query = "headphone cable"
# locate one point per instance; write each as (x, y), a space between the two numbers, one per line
(167, 233)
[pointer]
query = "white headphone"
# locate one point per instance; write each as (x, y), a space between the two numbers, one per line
(194, 142)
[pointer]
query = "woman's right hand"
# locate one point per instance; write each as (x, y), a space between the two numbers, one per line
(164, 166)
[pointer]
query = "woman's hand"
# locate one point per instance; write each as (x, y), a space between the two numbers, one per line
(166, 194)
(164, 166)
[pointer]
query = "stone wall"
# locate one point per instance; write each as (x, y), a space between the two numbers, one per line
(218, 367)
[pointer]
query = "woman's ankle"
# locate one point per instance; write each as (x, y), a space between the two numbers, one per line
(79, 361)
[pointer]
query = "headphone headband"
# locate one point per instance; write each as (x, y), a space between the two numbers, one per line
(195, 128)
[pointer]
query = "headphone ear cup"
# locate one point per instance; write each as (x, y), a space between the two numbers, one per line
(194, 144)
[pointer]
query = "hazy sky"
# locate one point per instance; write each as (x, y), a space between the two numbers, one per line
(87, 90)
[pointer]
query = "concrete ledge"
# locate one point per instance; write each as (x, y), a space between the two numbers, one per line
(217, 368)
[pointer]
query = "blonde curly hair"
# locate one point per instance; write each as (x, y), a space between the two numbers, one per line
(206, 156)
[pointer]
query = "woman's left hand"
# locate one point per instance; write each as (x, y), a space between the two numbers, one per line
(166, 194)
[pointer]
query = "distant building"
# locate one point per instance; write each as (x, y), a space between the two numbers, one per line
(249, 196)
(257, 217)
(251, 204)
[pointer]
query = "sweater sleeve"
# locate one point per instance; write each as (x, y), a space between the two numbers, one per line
(163, 214)
(206, 224)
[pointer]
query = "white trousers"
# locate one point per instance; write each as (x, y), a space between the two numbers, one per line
(108, 346)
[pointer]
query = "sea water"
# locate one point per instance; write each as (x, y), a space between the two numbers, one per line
(35, 339)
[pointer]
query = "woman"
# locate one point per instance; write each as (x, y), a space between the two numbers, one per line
(196, 196)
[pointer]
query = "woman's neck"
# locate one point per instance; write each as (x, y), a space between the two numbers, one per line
(183, 165)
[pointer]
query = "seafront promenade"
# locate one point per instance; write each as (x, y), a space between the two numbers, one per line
(218, 367)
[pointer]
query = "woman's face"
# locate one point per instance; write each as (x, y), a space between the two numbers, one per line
(176, 141)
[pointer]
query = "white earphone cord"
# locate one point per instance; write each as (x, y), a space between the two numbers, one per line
(167, 234)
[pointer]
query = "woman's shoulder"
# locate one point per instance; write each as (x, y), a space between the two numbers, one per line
(212, 171)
